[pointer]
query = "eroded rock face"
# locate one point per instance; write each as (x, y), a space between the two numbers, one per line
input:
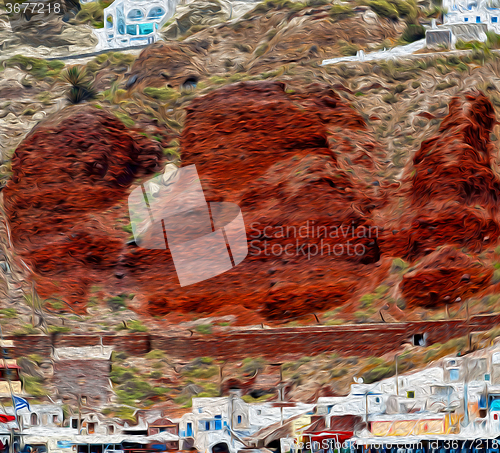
(66, 174)
(302, 167)
(443, 276)
(269, 151)
(168, 64)
(451, 191)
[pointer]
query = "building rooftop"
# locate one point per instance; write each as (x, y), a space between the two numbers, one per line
(84, 352)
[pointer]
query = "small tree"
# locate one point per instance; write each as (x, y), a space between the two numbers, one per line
(82, 87)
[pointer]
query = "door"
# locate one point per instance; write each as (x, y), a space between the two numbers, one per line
(189, 430)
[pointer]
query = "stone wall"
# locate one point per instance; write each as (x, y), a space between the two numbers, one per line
(359, 340)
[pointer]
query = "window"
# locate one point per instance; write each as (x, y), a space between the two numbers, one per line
(111, 429)
(55, 419)
(91, 428)
(454, 375)
(478, 19)
(74, 423)
(218, 425)
(259, 412)
(135, 14)
(494, 20)
(156, 13)
(419, 339)
(410, 394)
(131, 29)
(121, 27)
(239, 419)
(34, 419)
(200, 410)
(466, 19)
(109, 22)
(487, 377)
(145, 29)
(377, 399)
(84, 400)
(207, 426)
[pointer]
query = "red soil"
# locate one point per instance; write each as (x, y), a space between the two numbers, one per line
(451, 190)
(289, 160)
(66, 174)
(439, 278)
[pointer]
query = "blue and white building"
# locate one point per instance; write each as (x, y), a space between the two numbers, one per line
(134, 22)
(473, 12)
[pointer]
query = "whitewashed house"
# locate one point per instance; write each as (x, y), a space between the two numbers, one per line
(134, 22)
(218, 425)
(473, 12)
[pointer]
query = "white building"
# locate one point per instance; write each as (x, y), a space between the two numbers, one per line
(473, 12)
(208, 427)
(134, 22)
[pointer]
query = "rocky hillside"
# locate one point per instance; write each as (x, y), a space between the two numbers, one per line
(366, 188)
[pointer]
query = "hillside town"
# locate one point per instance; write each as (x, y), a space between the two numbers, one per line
(452, 405)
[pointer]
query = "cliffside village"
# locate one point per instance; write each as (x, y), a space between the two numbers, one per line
(451, 406)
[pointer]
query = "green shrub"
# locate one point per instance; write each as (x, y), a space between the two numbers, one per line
(134, 391)
(27, 329)
(125, 119)
(119, 374)
(268, 5)
(125, 413)
(92, 13)
(202, 372)
(8, 313)
(137, 326)
(204, 329)
(339, 12)
(398, 264)
(155, 354)
(81, 87)
(390, 98)
(117, 302)
(262, 49)
(317, 2)
(34, 386)
(367, 300)
(161, 94)
(347, 49)
(338, 372)
(37, 67)
(493, 40)
(384, 9)
(378, 373)
(253, 365)
(59, 329)
(413, 32)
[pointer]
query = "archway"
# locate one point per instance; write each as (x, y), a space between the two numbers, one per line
(221, 447)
